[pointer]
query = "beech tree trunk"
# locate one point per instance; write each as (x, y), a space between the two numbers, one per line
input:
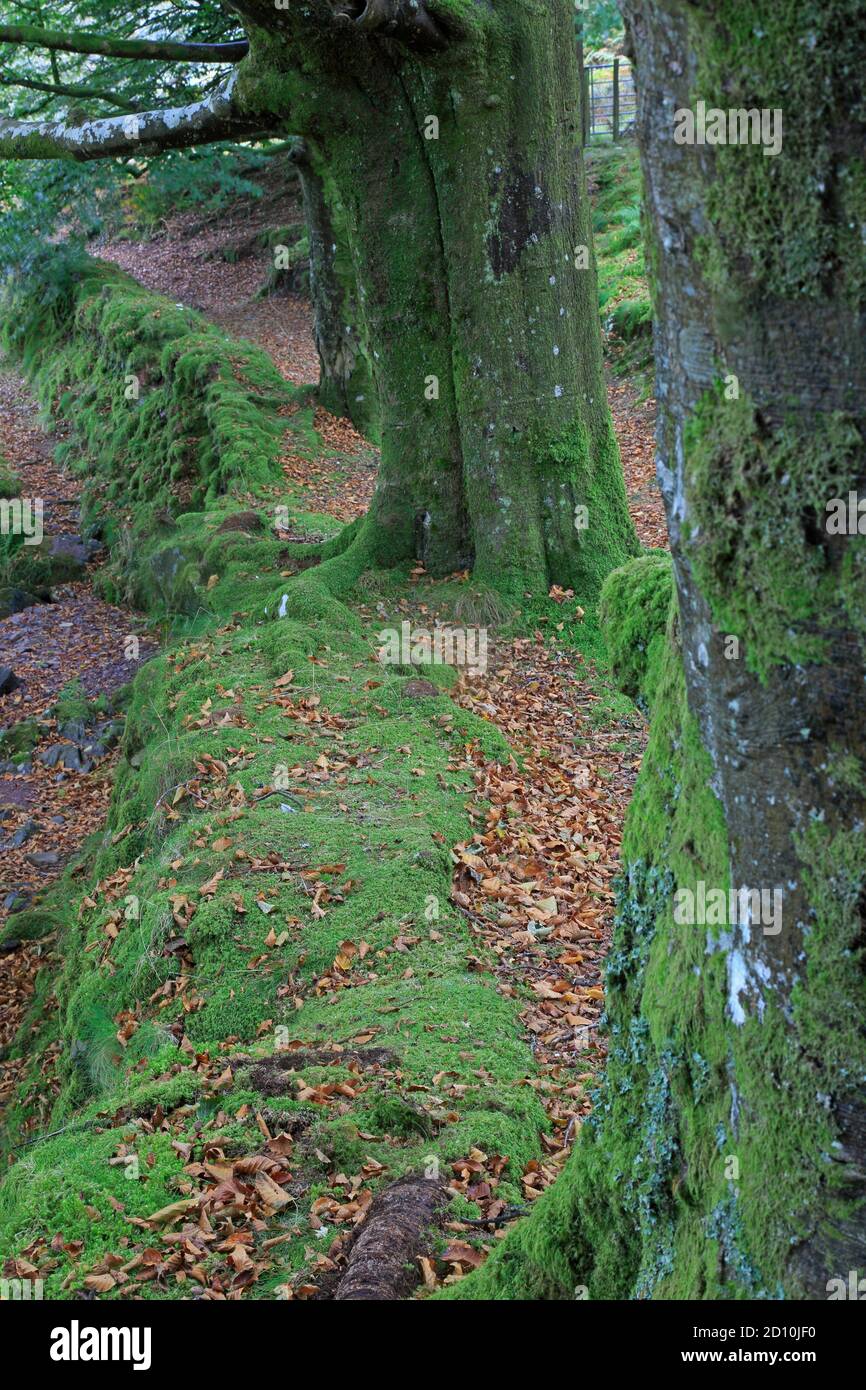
(458, 164)
(760, 276)
(726, 1155)
(345, 382)
(449, 135)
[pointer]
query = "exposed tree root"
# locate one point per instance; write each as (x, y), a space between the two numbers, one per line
(382, 1263)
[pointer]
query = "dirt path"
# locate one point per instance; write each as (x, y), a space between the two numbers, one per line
(537, 880)
(187, 263)
(55, 765)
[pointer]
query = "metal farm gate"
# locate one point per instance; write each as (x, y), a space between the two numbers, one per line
(609, 103)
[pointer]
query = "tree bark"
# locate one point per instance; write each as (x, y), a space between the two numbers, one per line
(726, 1155)
(345, 381)
(454, 149)
(761, 357)
(215, 117)
(103, 45)
(382, 1263)
(67, 89)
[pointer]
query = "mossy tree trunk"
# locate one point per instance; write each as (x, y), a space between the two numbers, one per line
(760, 268)
(345, 382)
(449, 133)
(456, 157)
(726, 1156)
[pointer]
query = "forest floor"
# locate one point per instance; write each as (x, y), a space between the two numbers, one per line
(536, 881)
(549, 704)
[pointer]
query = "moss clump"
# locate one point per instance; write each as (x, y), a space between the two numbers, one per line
(780, 227)
(179, 430)
(757, 499)
(233, 792)
(10, 484)
(615, 187)
(378, 824)
(73, 704)
(169, 411)
(634, 608)
(34, 569)
(18, 740)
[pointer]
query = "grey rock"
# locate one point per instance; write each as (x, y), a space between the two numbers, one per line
(72, 550)
(17, 901)
(23, 833)
(175, 577)
(14, 600)
(74, 729)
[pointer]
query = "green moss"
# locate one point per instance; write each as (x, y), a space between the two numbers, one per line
(10, 484)
(782, 230)
(18, 740)
(382, 822)
(634, 608)
(615, 186)
(386, 811)
(73, 703)
(33, 568)
(757, 498)
(169, 412)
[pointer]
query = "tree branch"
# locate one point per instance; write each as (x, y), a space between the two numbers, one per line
(150, 132)
(107, 47)
(63, 89)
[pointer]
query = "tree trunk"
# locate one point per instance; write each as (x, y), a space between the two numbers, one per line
(345, 382)
(727, 1153)
(459, 169)
(450, 137)
(761, 273)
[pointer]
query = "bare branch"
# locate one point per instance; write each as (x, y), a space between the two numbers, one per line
(64, 89)
(107, 47)
(150, 132)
